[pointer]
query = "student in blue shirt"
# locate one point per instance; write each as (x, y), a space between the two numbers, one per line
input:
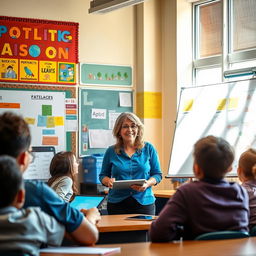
(22, 230)
(15, 140)
(130, 158)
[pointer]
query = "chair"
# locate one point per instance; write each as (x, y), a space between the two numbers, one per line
(218, 235)
(253, 231)
(13, 253)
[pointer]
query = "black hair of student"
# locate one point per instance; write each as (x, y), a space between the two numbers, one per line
(10, 180)
(15, 136)
(214, 156)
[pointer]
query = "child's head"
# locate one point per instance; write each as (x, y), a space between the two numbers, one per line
(213, 157)
(247, 165)
(11, 183)
(64, 163)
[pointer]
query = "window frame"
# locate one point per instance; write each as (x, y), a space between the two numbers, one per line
(228, 57)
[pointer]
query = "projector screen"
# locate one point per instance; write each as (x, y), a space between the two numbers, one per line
(226, 110)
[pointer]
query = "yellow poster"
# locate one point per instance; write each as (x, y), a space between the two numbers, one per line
(47, 71)
(9, 69)
(149, 104)
(28, 70)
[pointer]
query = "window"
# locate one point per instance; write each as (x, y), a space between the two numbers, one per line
(224, 39)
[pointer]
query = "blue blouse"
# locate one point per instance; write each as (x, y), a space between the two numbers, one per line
(143, 164)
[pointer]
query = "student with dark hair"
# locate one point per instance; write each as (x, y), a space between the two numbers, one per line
(209, 204)
(247, 174)
(22, 230)
(63, 169)
(15, 140)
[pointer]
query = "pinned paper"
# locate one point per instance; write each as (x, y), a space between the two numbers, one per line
(46, 110)
(59, 120)
(99, 138)
(41, 121)
(9, 105)
(48, 132)
(112, 119)
(98, 113)
(125, 99)
(50, 140)
(30, 120)
(50, 122)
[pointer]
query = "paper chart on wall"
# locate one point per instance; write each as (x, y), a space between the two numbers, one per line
(44, 111)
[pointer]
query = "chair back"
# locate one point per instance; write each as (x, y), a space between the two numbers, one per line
(253, 231)
(219, 235)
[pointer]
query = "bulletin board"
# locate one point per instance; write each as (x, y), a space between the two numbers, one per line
(43, 108)
(98, 110)
(224, 110)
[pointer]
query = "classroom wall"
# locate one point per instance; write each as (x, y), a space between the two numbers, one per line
(146, 36)
(107, 39)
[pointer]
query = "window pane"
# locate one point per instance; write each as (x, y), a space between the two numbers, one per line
(210, 29)
(244, 24)
(208, 76)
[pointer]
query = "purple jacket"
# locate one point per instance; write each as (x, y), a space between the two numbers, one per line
(201, 207)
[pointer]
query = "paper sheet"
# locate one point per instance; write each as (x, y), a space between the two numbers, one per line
(99, 138)
(82, 250)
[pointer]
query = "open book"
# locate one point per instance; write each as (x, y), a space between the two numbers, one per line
(92, 251)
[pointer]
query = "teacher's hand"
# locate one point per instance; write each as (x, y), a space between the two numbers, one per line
(109, 182)
(141, 188)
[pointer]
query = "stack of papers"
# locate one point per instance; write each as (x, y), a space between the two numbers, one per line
(81, 250)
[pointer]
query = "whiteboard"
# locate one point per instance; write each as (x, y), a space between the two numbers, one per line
(44, 111)
(226, 110)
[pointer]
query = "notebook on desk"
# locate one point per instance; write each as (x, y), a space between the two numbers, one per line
(87, 202)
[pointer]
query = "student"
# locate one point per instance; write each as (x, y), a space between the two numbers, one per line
(63, 169)
(247, 174)
(23, 230)
(130, 158)
(15, 140)
(209, 204)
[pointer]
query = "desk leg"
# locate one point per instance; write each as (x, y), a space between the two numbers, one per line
(123, 237)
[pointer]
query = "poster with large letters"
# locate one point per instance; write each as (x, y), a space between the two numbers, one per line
(38, 51)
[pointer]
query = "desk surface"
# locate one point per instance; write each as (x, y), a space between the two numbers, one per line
(116, 223)
(164, 193)
(231, 247)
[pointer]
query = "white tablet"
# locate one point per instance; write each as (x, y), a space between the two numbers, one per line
(124, 184)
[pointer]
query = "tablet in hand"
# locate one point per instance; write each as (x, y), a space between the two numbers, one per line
(125, 184)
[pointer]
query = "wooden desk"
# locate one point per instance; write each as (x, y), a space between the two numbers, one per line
(116, 229)
(162, 196)
(164, 193)
(231, 247)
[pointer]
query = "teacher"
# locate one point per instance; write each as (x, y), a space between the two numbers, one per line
(130, 158)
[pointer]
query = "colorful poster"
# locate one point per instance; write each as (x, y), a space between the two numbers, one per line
(105, 74)
(28, 70)
(47, 71)
(9, 69)
(32, 49)
(66, 72)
